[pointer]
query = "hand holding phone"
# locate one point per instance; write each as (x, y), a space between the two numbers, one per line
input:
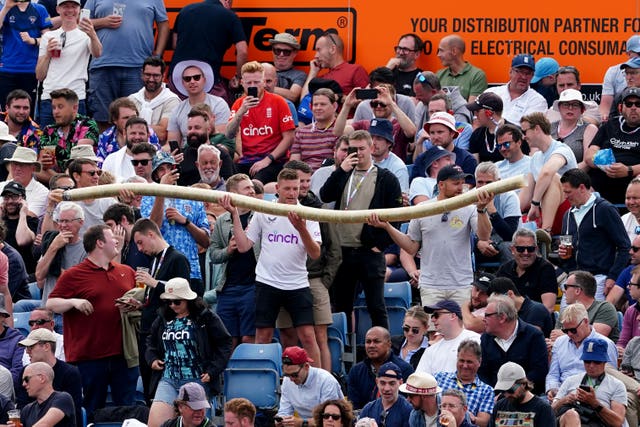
(175, 147)
(366, 93)
(252, 91)
(352, 150)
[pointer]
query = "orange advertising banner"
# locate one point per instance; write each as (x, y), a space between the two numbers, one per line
(590, 36)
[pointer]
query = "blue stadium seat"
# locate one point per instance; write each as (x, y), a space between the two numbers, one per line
(336, 348)
(21, 322)
(363, 321)
(397, 294)
(260, 386)
(404, 227)
(620, 319)
(36, 292)
(257, 356)
(338, 328)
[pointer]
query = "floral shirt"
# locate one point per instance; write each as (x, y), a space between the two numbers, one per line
(108, 142)
(29, 135)
(82, 127)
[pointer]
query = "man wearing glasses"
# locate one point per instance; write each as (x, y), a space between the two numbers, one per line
(303, 388)
(285, 47)
(517, 96)
(510, 144)
(50, 406)
(41, 318)
(403, 63)
(471, 80)
(517, 405)
(622, 137)
(567, 349)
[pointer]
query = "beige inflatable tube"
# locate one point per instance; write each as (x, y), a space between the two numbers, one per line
(321, 215)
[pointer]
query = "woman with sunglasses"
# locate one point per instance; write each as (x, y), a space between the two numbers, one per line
(333, 413)
(571, 129)
(188, 343)
(411, 345)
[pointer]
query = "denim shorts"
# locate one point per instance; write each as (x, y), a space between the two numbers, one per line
(167, 390)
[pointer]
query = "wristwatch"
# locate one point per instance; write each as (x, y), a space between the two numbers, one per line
(598, 408)
(482, 211)
(186, 222)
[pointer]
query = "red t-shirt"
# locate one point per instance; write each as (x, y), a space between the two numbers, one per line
(99, 334)
(262, 126)
(348, 76)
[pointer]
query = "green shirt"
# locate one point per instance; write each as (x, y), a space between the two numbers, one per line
(472, 81)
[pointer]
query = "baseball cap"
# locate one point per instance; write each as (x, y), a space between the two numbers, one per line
(295, 356)
(285, 38)
(524, 60)
(382, 128)
(442, 118)
(487, 100)
(633, 44)
(383, 371)
(595, 350)
(36, 336)
(630, 91)
(14, 188)
(545, 67)
(194, 396)
(447, 304)
(482, 281)
(631, 63)
(452, 172)
(420, 383)
(508, 375)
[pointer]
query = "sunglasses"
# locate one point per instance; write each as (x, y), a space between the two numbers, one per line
(195, 78)
(444, 217)
(330, 37)
(572, 330)
(293, 374)
(38, 322)
(65, 188)
(143, 162)
(630, 104)
(26, 379)
(490, 314)
(513, 388)
(94, 172)
(635, 249)
(437, 314)
(174, 301)
(281, 52)
(376, 104)
(334, 417)
(414, 331)
(522, 249)
(505, 145)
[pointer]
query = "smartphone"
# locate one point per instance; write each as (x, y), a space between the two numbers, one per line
(173, 145)
(85, 13)
(366, 93)
(585, 388)
(277, 419)
(351, 150)
(252, 91)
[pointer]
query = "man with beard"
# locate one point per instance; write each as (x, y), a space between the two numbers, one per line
(517, 401)
(208, 164)
(16, 116)
(403, 63)
(198, 127)
(473, 310)
(119, 163)
(21, 223)
(155, 101)
(142, 155)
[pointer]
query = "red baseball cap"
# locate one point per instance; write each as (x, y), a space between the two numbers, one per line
(295, 356)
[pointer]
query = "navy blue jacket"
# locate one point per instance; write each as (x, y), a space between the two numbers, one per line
(528, 350)
(601, 244)
(361, 382)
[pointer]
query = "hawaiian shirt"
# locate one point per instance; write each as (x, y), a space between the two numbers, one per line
(29, 135)
(82, 127)
(108, 142)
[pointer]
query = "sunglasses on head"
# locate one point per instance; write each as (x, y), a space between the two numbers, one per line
(414, 330)
(195, 78)
(505, 145)
(522, 249)
(376, 104)
(630, 104)
(38, 322)
(281, 52)
(335, 417)
(143, 162)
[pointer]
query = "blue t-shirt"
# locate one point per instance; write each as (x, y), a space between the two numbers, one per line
(181, 350)
(131, 43)
(18, 56)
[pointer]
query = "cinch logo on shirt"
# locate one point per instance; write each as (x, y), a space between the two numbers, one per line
(283, 238)
(176, 335)
(257, 131)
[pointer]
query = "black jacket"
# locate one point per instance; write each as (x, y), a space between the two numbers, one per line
(387, 195)
(213, 343)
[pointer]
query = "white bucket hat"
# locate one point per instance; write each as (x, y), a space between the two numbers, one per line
(207, 72)
(569, 95)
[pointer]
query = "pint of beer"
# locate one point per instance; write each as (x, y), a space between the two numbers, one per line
(566, 242)
(14, 416)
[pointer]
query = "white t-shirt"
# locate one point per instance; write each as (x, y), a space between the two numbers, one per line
(527, 103)
(283, 258)
(119, 164)
(539, 158)
(630, 223)
(445, 261)
(443, 355)
(70, 69)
